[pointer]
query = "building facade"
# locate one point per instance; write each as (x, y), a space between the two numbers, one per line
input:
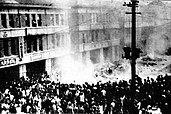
(32, 37)
(96, 33)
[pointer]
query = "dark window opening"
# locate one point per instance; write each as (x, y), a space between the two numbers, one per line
(11, 20)
(1, 48)
(57, 19)
(3, 20)
(34, 43)
(28, 41)
(14, 46)
(6, 47)
(39, 19)
(34, 24)
(40, 44)
(27, 20)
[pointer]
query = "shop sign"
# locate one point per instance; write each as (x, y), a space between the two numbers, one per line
(37, 56)
(8, 61)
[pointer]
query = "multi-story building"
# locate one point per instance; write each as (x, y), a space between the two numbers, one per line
(95, 32)
(33, 35)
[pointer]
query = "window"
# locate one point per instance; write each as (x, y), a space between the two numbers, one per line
(53, 41)
(57, 19)
(62, 19)
(14, 20)
(7, 47)
(57, 40)
(3, 20)
(33, 43)
(93, 36)
(11, 20)
(50, 19)
(62, 40)
(14, 46)
(28, 41)
(25, 20)
(34, 24)
(40, 44)
(39, 19)
(44, 22)
(96, 35)
(82, 18)
(1, 48)
(83, 37)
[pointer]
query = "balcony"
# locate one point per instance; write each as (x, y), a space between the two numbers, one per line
(97, 45)
(98, 26)
(12, 32)
(16, 32)
(46, 30)
(41, 55)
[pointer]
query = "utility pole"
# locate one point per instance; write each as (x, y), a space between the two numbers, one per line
(133, 4)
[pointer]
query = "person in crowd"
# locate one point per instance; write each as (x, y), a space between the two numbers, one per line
(41, 95)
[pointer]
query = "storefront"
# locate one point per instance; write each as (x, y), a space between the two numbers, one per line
(35, 68)
(95, 56)
(9, 73)
(9, 68)
(107, 54)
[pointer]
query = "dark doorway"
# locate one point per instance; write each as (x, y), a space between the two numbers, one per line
(9, 74)
(35, 68)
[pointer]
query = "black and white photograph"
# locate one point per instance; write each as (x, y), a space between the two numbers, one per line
(85, 56)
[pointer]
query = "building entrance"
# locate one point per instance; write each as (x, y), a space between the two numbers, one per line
(35, 68)
(9, 74)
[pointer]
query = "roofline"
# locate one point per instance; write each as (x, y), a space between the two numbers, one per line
(51, 6)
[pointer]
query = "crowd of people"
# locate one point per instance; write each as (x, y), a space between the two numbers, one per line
(41, 95)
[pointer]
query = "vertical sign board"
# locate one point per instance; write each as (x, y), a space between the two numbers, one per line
(21, 47)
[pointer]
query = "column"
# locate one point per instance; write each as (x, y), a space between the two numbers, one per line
(48, 65)
(45, 42)
(101, 56)
(22, 71)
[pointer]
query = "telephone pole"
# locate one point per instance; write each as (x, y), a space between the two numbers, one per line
(133, 4)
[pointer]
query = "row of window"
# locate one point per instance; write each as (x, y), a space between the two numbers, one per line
(94, 18)
(94, 36)
(31, 20)
(44, 42)
(9, 46)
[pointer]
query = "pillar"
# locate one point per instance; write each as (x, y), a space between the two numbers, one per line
(22, 71)
(101, 56)
(48, 65)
